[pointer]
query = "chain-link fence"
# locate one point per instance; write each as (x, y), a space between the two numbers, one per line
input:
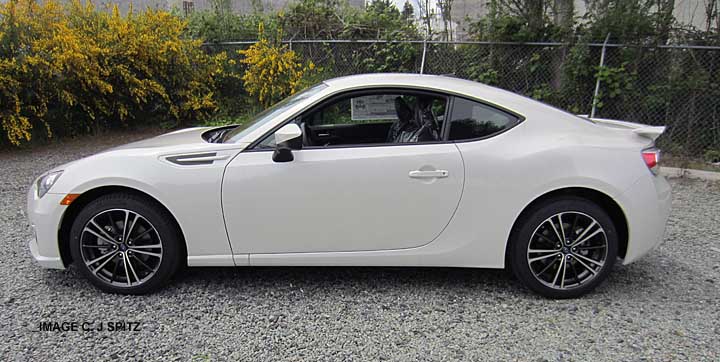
(668, 85)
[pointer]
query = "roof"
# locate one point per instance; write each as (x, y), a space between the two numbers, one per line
(499, 97)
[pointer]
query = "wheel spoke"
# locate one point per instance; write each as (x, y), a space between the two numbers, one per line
(543, 250)
(141, 235)
(592, 247)
(562, 281)
(560, 239)
(591, 270)
(131, 268)
(105, 234)
(546, 267)
(588, 259)
(100, 237)
(532, 260)
(142, 263)
(562, 228)
(125, 224)
(95, 246)
(154, 246)
(112, 255)
(557, 274)
(126, 237)
(157, 255)
(127, 274)
(593, 223)
(101, 257)
(597, 231)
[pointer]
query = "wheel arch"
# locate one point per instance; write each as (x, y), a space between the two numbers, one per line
(88, 196)
(606, 202)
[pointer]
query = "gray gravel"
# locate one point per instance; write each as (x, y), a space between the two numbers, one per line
(664, 307)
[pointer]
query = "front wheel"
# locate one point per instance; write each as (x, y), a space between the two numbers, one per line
(124, 243)
(563, 248)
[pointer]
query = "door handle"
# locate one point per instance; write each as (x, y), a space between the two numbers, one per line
(428, 174)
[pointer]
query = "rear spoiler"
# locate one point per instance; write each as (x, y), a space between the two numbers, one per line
(651, 132)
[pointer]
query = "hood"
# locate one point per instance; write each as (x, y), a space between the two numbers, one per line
(180, 137)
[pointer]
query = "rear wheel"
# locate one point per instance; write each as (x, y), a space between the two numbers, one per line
(124, 243)
(563, 248)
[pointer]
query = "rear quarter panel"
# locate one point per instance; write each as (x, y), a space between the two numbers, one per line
(505, 173)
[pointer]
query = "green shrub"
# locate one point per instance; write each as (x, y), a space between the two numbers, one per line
(69, 69)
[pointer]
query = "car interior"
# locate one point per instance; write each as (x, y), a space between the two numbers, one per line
(375, 118)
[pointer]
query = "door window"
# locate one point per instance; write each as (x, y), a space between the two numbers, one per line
(373, 118)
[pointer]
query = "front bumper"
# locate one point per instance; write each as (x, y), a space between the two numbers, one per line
(647, 209)
(45, 215)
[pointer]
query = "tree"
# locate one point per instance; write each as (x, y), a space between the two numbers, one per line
(445, 7)
(563, 15)
(427, 13)
(408, 12)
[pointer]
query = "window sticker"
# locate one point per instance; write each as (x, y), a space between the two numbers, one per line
(375, 107)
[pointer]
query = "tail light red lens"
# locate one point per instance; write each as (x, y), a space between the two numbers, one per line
(651, 158)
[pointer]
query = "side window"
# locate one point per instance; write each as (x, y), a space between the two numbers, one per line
(471, 119)
(375, 118)
(392, 117)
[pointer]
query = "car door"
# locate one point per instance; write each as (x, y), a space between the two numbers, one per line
(341, 198)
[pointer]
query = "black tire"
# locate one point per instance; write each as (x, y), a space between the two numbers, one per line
(540, 217)
(159, 219)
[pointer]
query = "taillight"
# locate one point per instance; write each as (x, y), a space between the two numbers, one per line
(651, 158)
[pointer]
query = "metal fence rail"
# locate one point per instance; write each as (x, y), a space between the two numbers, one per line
(677, 86)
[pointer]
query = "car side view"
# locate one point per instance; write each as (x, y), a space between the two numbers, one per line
(365, 170)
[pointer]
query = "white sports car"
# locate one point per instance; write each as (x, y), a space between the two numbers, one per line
(366, 170)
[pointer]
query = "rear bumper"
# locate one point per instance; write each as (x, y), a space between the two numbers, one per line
(45, 215)
(647, 209)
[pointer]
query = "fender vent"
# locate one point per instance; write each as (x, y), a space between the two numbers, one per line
(196, 159)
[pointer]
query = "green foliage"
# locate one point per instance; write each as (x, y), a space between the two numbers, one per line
(242, 120)
(213, 26)
(69, 69)
(273, 70)
(712, 156)
(511, 28)
(616, 82)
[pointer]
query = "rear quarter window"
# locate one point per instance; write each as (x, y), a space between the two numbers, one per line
(471, 120)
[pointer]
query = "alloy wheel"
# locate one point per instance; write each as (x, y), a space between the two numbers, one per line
(567, 250)
(121, 247)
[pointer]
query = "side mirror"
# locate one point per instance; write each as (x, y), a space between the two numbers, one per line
(287, 138)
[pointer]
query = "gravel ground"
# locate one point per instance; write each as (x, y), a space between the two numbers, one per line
(664, 307)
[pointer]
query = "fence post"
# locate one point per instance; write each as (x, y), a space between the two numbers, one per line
(597, 82)
(422, 61)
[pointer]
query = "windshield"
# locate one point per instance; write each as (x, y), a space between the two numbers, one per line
(272, 112)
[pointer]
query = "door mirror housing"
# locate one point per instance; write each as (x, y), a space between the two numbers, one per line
(287, 138)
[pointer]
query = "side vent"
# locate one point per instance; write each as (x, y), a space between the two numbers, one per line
(196, 159)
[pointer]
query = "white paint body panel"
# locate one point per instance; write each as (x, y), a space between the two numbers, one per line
(341, 199)
(357, 205)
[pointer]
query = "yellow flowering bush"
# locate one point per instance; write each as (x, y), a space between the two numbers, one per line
(68, 69)
(273, 71)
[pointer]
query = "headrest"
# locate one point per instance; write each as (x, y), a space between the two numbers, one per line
(404, 112)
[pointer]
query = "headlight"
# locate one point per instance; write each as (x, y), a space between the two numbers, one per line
(45, 182)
